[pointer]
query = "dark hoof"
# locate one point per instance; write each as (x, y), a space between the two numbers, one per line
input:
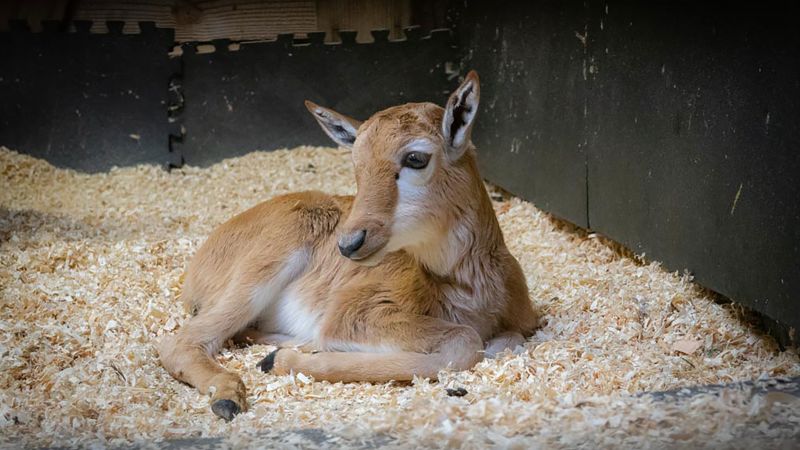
(268, 362)
(226, 409)
(457, 392)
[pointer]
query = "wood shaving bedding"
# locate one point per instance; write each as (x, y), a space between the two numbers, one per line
(91, 265)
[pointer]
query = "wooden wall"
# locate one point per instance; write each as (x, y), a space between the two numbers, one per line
(237, 20)
(363, 16)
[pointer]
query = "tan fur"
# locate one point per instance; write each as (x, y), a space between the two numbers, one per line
(394, 314)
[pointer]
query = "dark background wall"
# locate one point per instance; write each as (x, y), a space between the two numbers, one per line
(95, 83)
(85, 100)
(669, 126)
(252, 98)
(532, 126)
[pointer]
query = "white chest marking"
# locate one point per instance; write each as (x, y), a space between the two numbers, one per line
(278, 305)
(269, 290)
(291, 316)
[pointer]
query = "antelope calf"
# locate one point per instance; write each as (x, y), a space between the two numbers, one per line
(409, 277)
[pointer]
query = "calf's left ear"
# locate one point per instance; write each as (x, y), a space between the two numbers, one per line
(459, 115)
(340, 128)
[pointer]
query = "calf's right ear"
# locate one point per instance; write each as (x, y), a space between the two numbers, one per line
(340, 128)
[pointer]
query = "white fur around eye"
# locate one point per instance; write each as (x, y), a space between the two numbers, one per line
(415, 177)
(412, 216)
(418, 177)
(420, 145)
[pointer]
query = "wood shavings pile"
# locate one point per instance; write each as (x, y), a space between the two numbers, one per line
(90, 267)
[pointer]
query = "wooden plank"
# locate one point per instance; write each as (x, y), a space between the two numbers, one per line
(363, 16)
(237, 20)
(206, 20)
(249, 20)
(132, 12)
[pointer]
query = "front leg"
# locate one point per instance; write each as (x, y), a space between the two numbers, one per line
(507, 340)
(380, 344)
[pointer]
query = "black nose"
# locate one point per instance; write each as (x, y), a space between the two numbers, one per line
(348, 244)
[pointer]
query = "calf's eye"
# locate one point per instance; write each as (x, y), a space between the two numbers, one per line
(416, 160)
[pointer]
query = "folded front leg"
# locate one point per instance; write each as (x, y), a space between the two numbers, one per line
(399, 347)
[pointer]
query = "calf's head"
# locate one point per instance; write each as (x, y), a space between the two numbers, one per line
(408, 170)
